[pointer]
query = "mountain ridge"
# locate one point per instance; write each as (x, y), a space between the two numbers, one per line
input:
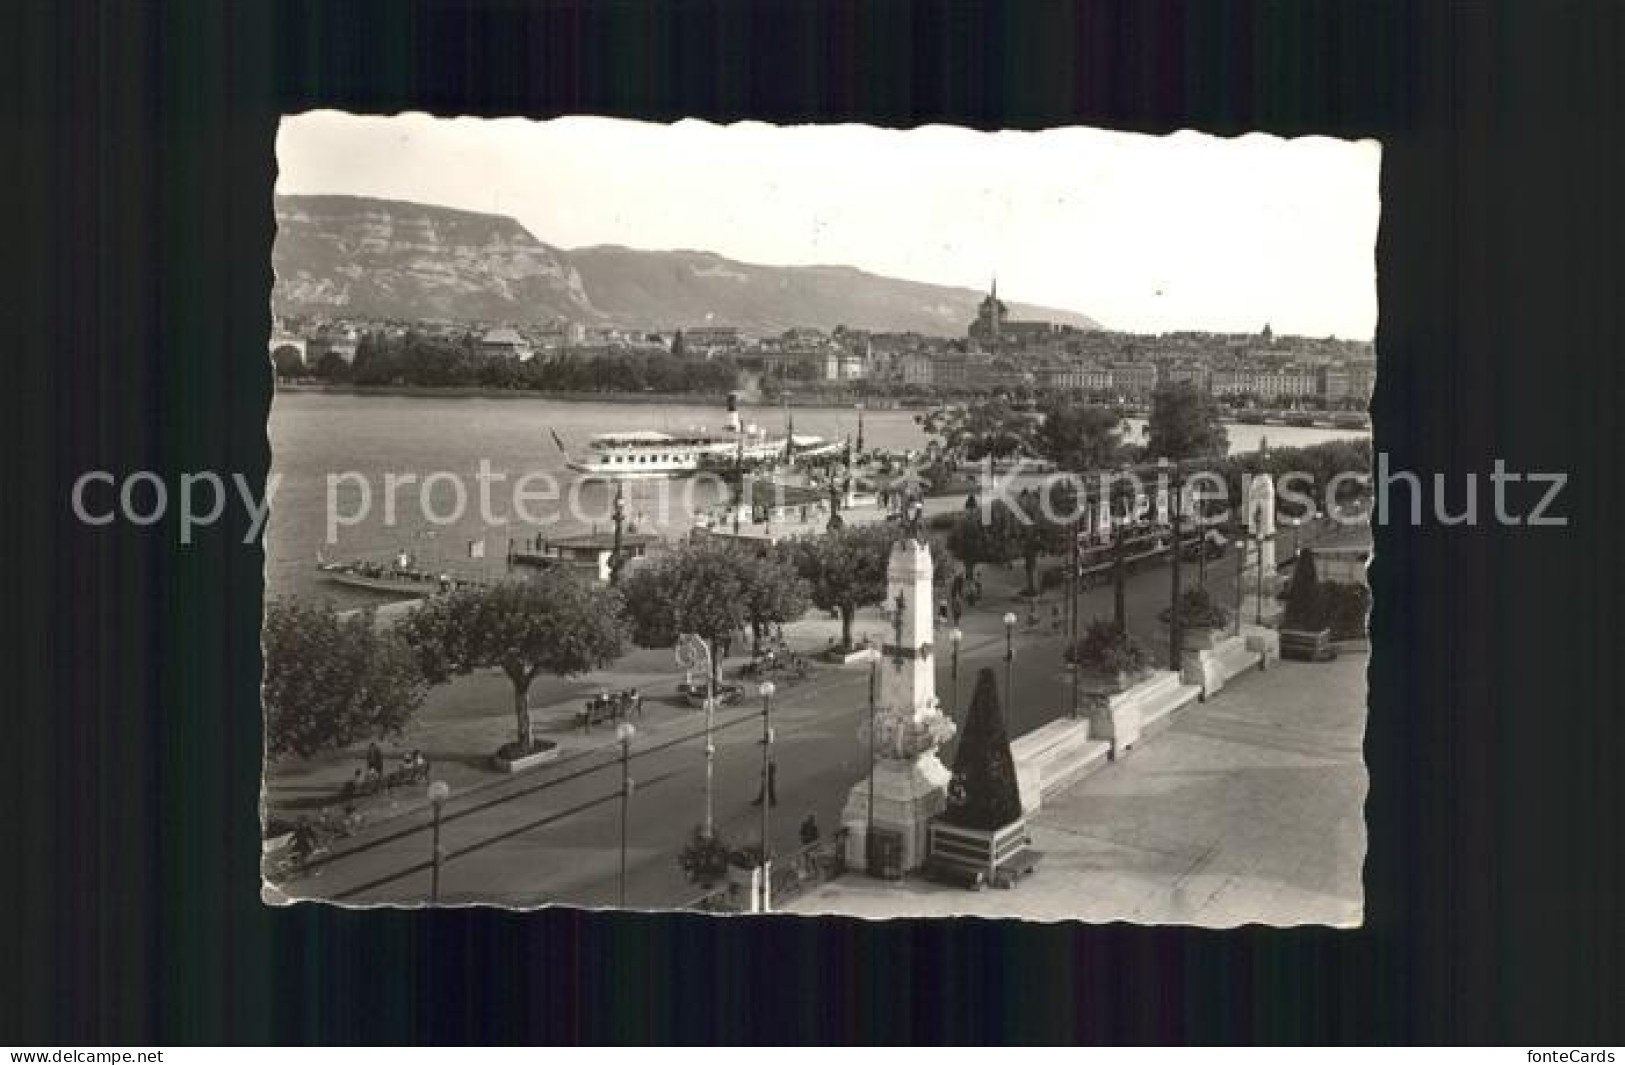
(357, 256)
(348, 256)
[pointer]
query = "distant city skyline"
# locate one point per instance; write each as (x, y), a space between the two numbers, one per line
(1143, 234)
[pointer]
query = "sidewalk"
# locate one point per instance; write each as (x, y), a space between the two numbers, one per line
(1249, 808)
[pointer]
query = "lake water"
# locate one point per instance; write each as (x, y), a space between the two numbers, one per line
(316, 435)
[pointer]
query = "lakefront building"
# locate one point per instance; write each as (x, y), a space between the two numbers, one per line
(506, 343)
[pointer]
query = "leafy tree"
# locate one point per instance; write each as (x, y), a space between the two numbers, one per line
(713, 588)
(288, 361)
(978, 539)
(330, 682)
(990, 427)
(1009, 530)
(333, 367)
(774, 593)
(1037, 535)
(984, 794)
(376, 361)
(557, 622)
(845, 569)
(1185, 423)
(1079, 437)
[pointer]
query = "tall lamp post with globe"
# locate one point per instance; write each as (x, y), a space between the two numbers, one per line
(1009, 656)
(766, 690)
(624, 733)
(694, 653)
(439, 792)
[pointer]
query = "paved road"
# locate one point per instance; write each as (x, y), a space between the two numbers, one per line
(553, 835)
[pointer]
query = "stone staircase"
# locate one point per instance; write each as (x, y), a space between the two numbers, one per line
(1057, 755)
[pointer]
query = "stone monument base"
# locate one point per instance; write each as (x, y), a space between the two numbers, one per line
(979, 855)
(1211, 667)
(908, 794)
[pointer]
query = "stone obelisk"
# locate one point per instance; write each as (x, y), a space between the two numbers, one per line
(1261, 520)
(908, 783)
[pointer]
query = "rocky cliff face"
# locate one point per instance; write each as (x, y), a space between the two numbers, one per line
(344, 255)
(366, 258)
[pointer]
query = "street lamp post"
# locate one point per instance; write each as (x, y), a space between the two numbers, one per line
(1178, 551)
(955, 637)
(739, 475)
(1072, 604)
(439, 791)
(869, 825)
(1201, 541)
(1009, 659)
(624, 732)
(615, 557)
(1175, 635)
(1259, 615)
(766, 690)
(1241, 578)
(692, 652)
(1119, 576)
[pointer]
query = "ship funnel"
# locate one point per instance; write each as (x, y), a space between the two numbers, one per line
(733, 412)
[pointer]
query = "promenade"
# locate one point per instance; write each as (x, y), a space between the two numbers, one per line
(1248, 809)
(549, 835)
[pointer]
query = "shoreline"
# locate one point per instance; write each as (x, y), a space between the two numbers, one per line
(699, 399)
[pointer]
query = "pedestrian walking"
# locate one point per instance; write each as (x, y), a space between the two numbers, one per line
(375, 759)
(809, 830)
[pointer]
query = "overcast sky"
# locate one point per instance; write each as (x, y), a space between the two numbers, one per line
(1148, 234)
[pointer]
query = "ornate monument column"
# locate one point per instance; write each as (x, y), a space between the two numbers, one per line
(1260, 637)
(1261, 519)
(907, 782)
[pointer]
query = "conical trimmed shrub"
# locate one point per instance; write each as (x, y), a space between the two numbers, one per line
(983, 794)
(1303, 610)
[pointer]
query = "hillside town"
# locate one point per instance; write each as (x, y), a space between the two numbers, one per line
(996, 354)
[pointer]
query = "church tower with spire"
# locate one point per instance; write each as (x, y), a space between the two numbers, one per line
(990, 318)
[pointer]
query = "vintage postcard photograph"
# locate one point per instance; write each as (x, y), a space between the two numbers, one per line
(819, 520)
